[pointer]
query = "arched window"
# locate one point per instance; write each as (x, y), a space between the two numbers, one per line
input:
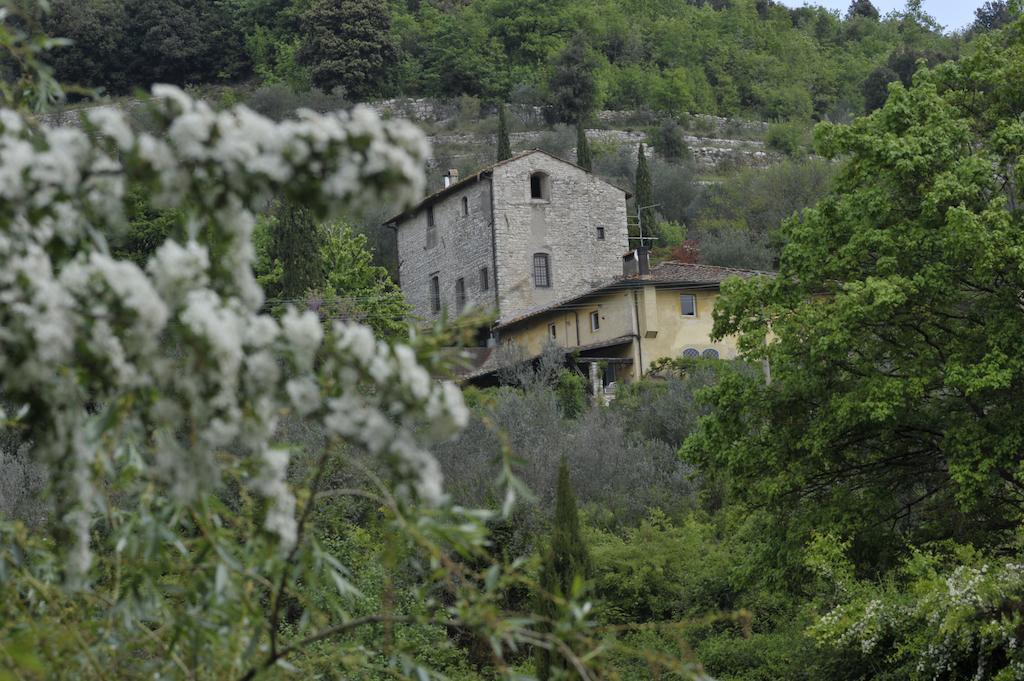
(540, 186)
(541, 270)
(710, 353)
(691, 353)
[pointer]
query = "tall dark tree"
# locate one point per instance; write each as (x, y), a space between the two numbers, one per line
(573, 83)
(583, 157)
(991, 16)
(96, 29)
(348, 44)
(180, 41)
(876, 87)
(504, 145)
(862, 8)
(645, 197)
(295, 245)
(566, 564)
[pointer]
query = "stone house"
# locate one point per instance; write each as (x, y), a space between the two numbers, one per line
(614, 331)
(518, 234)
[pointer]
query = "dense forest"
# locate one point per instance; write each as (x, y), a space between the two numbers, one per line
(754, 58)
(224, 452)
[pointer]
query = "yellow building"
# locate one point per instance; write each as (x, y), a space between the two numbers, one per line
(626, 324)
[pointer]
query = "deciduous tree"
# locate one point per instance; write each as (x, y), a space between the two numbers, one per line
(896, 371)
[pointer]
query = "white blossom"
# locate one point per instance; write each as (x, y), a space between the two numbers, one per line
(181, 346)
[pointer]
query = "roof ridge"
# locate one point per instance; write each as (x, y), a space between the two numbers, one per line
(707, 266)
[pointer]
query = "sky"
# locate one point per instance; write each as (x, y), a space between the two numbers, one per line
(953, 14)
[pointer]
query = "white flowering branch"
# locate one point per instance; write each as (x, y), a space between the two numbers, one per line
(176, 357)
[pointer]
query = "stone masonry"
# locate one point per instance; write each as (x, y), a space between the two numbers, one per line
(504, 229)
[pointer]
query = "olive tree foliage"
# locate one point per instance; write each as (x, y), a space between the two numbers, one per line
(616, 472)
(178, 544)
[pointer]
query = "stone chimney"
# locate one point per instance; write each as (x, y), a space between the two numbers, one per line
(637, 262)
(451, 177)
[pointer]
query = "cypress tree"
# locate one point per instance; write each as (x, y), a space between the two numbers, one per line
(504, 146)
(296, 246)
(565, 561)
(645, 197)
(583, 157)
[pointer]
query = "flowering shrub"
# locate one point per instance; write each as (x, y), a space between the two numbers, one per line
(179, 540)
(941, 615)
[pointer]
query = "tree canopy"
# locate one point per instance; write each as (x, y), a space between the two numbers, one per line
(895, 369)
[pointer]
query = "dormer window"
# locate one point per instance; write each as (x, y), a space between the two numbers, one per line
(540, 186)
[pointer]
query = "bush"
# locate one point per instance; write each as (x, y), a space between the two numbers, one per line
(571, 390)
(560, 140)
(674, 189)
(792, 138)
(280, 101)
(670, 143)
(735, 247)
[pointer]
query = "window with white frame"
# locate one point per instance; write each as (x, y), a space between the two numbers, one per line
(595, 320)
(688, 305)
(552, 331)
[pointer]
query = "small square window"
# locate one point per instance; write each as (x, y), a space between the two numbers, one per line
(595, 320)
(688, 305)
(600, 233)
(485, 279)
(552, 331)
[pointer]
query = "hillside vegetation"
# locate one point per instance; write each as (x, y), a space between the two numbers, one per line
(225, 454)
(727, 57)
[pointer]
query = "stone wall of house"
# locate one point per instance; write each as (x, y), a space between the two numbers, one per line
(563, 225)
(463, 248)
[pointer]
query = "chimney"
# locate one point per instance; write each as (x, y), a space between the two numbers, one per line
(636, 262)
(451, 177)
(643, 259)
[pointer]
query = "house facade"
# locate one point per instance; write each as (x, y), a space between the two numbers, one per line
(517, 235)
(627, 323)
